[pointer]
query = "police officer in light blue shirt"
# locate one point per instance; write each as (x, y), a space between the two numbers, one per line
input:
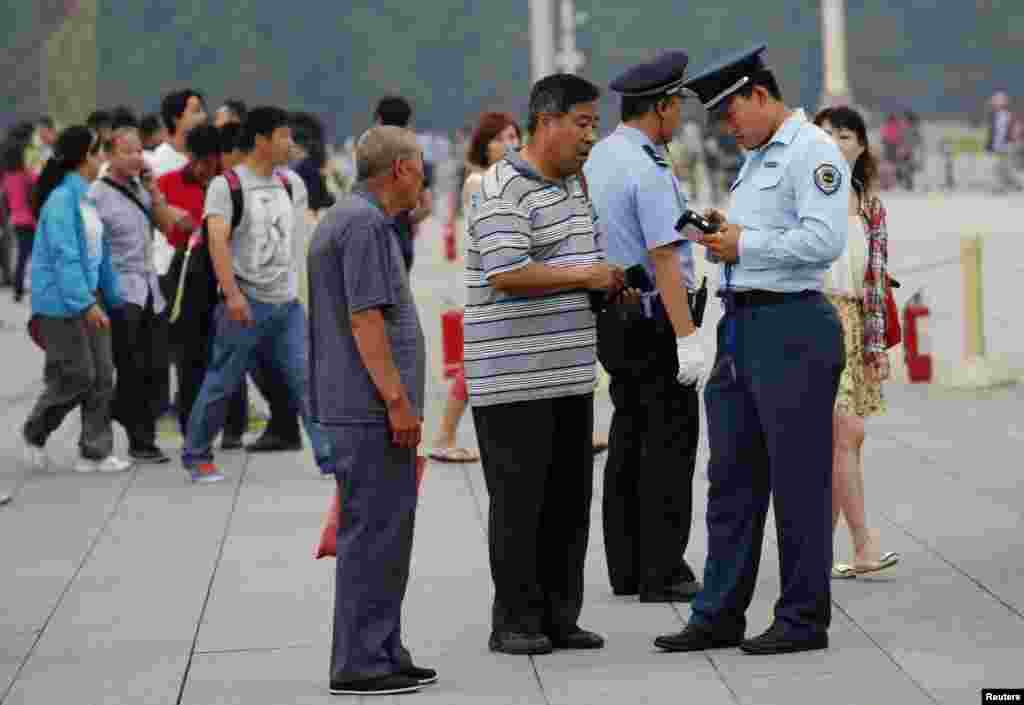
(772, 388)
(653, 355)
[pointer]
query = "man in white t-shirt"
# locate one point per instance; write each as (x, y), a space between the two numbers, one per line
(181, 111)
(257, 268)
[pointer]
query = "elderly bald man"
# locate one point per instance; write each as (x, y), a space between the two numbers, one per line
(367, 372)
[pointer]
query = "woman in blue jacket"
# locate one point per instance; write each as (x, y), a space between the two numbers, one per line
(73, 286)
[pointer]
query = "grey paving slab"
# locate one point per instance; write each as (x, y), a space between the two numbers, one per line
(148, 672)
(13, 648)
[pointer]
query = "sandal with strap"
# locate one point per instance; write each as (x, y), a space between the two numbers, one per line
(843, 571)
(454, 455)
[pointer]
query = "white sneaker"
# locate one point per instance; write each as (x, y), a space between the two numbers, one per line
(35, 457)
(109, 464)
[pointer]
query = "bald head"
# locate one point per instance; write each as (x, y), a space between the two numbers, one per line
(380, 147)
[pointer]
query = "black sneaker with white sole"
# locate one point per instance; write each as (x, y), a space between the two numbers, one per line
(392, 684)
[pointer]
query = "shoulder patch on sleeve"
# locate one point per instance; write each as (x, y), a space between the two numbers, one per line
(828, 179)
(653, 154)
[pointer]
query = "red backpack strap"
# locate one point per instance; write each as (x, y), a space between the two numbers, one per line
(237, 200)
(287, 183)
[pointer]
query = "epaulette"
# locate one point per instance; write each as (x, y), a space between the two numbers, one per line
(653, 154)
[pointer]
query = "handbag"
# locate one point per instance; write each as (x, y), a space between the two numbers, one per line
(893, 330)
(328, 547)
(35, 332)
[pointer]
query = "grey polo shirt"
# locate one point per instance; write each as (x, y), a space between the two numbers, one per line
(130, 235)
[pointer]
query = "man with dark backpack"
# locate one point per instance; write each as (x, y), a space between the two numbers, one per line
(194, 296)
(191, 300)
(256, 263)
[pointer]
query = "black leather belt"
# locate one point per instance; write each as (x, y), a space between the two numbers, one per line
(759, 297)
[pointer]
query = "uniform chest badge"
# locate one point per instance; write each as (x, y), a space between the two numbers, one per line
(828, 179)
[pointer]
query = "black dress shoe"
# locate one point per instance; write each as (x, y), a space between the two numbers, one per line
(519, 643)
(694, 638)
(579, 639)
(269, 443)
(148, 454)
(777, 641)
(424, 676)
(677, 592)
(382, 685)
(626, 591)
(231, 443)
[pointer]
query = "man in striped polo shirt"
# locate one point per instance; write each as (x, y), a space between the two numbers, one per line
(534, 258)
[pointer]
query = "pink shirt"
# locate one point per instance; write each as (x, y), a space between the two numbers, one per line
(18, 187)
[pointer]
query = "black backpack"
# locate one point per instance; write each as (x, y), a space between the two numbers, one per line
(192, 262)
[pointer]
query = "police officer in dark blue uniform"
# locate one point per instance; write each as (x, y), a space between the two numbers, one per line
(653, 356)
(772, 388)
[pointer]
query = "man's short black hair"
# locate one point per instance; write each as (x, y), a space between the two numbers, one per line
(149, 126)
(238, 107)
(203, 141)
(45, 121)
(99, 120)
(123, 116)
(173, 107)
(231, 137)
(262, 121)
(394, 110)
(636, 106)
(558, 94)
(764, 78)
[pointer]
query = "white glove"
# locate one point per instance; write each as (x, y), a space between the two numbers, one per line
(690, 355)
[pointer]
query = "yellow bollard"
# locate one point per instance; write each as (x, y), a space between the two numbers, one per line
(977, 370)
(974, 309)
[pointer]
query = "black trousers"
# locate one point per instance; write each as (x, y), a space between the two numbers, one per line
(26, 237)
(140, 353)
(284, 416)
(192, 336)
(539, 466)
(647, 508)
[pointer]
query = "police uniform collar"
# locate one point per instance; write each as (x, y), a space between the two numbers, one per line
(788, 129)
(635, 135)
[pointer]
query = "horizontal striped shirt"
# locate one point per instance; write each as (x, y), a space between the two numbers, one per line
(522, 348)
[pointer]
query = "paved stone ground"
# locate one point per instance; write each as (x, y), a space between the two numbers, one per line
(141, 588)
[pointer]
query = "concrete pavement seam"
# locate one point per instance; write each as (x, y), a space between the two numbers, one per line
(924, 691)
(67, 587)
(540, 683)
(213, 577)
(1012, 609)
(476, 500)
(718, 672)
(257, 649)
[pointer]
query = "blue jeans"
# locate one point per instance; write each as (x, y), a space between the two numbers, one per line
(277, 338)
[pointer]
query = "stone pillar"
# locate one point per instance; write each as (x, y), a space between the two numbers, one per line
(71, 61)
(836, 89)
(542, 39)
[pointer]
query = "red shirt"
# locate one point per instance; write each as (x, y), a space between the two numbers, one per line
(182, 191)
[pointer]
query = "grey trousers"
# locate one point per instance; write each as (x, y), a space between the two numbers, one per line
(377, 485)
(79, 371)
